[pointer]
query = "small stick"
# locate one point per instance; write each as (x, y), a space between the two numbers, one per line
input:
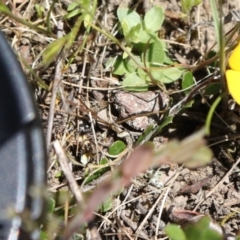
(219, 184)
(133, 226)
(63, 160)
(56, 82)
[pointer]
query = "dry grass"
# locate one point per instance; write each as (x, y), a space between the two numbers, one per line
(76, 94)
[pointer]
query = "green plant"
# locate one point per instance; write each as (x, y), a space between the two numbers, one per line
(100, 170)
(84, 10)
(40, 10)
(191, 152)
(187, 5)
(201, 231)
(150, 65)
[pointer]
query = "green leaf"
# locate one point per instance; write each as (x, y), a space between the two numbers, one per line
(141, 73)
(145, 134)
(187, 5)
(103, 161)
(175, 232)
(116, 148)
(119, 66)
(43, 235)
(130, 21)
(58, 174)
(171, 74)
(150, 132)
(39, 9)
(72, 13)
(155, 53)
(202, 230)
(125, 54)
(72, 6)
(52, 50)
(188, 105)
(188, 81)
(153, 19)
(92, 176)
(146, 37)
(133, 82)
(213, 89)
(4, 8)
(122, 13)
(133, 33)
(126, 29)
(166, 121)
(51, 205)
(157, 73)
(131, 17)
(107, 205)
(131, 65)
(155, 56)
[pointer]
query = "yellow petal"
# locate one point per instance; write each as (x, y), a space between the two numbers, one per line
(234, 59)
(233, 82)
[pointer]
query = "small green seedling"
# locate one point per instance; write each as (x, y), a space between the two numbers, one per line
(40, 10)
(200, 231)
(187, 5)
(117, 148)
(91, 176)
(151, 65)
(84, 10)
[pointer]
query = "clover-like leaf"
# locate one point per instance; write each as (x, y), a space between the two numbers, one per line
(131, 23)
(155, 53)
(116, 148)
(133, 82)
(171, 74)
(175, 232)
(187, 5)
(128, 15)
(153, 19)
(107, 204)
(119, 66)
(188, 81)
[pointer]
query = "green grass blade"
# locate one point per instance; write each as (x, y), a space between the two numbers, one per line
(4, 9)
(211, 112)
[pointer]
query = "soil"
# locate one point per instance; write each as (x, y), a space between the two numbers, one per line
(86, 106)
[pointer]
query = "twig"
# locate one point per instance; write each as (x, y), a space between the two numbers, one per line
(63, 160)
(139, 229)
(139, 206)
(94, 135)
(218, 185)
(133, 225)
(56, 82)
(164, 200)
(125, 198)
(156, 203)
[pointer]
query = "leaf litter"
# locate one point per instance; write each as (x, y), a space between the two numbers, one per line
(88, 87)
